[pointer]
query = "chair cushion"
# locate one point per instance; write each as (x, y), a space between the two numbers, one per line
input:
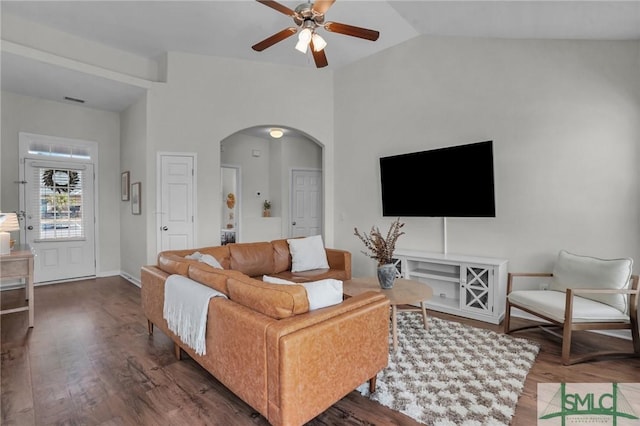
(551, 304)
(575, 271)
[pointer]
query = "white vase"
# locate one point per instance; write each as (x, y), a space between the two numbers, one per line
(387, 275)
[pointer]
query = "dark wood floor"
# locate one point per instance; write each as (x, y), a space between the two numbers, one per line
(89, 361)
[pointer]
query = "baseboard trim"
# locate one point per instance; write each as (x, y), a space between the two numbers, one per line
(622, 334)
(132, 280)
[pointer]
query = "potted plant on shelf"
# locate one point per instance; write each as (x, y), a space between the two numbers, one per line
(381, 249)
(266, 208)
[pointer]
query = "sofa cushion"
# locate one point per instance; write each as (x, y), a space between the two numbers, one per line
(552, 303)
(252, 259)
(274, 300)
(281, 256)
(312, 275)
(575, 271)
(212, 277)
(307, 253)
(174, 264)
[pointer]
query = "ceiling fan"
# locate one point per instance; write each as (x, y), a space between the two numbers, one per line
(308, 17)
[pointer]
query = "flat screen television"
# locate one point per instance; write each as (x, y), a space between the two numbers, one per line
(454, 181)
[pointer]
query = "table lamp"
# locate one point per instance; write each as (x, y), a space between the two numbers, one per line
(8, 222)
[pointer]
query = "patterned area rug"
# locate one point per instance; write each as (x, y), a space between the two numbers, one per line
(453, 374)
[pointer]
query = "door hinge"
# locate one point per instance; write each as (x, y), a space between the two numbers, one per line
(192, 173)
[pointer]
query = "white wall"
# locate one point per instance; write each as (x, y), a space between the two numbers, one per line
(207, 99)
(564, 118)
(133, 231)
(32, 115)
(255, 171)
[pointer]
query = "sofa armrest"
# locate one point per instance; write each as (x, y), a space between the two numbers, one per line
(152, 293)
(341, 260)
(317, 358)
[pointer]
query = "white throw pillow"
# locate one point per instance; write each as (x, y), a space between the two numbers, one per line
(204, 258)
(210, 260)
(307, 253)
(323, 293)
(196, 255)
(320, 294)
(275, 280)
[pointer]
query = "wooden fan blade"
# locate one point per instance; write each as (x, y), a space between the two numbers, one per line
(277, 6)
(321, 6)
(350, 30)
(319, 57)
(277, 37)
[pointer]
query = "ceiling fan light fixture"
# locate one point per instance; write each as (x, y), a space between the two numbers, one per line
(304, 38)
(276, 133)
(305, 35)
(318, 42)
(301, 46)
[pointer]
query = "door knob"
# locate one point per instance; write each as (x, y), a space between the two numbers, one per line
(30, 228)
(293, 223)
(164, 228)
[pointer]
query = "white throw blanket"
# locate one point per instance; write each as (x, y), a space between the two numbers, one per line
(186, 304)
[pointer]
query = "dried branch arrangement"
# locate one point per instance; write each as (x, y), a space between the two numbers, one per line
(379, 248)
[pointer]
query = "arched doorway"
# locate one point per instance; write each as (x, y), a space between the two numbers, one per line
(266, 168)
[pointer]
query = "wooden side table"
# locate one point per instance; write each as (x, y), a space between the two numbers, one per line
(404, 292)
(19, 264)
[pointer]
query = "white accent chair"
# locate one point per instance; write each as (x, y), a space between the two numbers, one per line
(585, 293)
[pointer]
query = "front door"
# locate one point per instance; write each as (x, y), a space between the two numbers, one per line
(306, 203)
(176, 202)
(59, 219)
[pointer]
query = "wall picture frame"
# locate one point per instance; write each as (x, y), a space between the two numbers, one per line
(136, 202)
(124, 186)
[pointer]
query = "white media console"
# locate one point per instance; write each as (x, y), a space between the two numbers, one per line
(468, 286)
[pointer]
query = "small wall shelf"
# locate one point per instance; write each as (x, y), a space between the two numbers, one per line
(468, 286)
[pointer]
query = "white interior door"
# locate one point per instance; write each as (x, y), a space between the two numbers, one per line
(176, 201)
(306, 203)
(59, 219)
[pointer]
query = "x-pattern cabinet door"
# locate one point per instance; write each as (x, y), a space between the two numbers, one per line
(476, 283)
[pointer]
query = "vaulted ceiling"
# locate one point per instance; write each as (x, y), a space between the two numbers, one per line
(230, 28)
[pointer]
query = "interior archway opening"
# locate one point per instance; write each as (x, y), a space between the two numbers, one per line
(272, 185)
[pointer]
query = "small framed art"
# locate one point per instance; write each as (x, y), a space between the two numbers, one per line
(124, 186)
(136, 202)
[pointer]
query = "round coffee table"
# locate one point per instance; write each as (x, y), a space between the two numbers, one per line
(404, 292)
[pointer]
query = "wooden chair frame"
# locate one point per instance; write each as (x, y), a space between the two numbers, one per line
(568, 326)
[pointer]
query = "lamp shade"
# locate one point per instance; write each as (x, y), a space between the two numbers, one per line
(8, 222)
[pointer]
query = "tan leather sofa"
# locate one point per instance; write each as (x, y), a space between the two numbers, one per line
(288, 363)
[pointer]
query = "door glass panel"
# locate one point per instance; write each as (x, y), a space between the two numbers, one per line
(60, 202)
